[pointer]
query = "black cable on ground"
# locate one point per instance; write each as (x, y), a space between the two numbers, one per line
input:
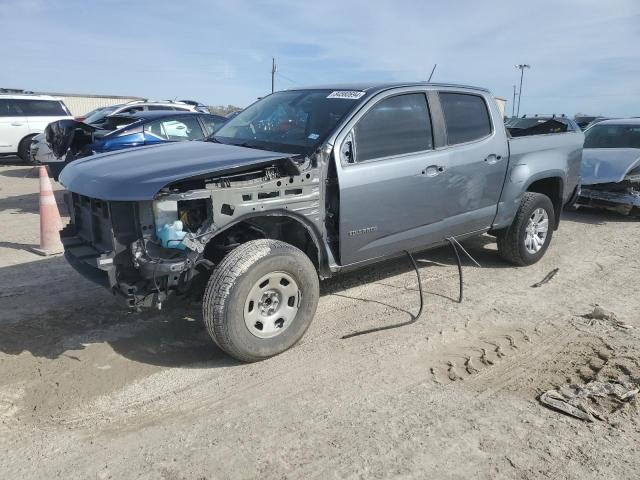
(455, 250)
(414, 317)
(547, 278)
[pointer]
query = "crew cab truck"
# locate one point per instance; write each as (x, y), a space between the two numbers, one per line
(307, 183)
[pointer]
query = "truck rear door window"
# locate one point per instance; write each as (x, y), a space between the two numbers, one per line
(41, 108)
(466, 117)
(394, 126)
(160, 107)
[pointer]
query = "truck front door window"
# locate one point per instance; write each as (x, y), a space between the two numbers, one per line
(394, 126)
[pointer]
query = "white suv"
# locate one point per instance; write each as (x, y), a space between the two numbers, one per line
(24, 116)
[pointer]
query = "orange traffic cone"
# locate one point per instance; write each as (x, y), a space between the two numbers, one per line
(50, 221)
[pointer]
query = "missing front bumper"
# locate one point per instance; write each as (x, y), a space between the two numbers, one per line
(146, 285)
(626, 202)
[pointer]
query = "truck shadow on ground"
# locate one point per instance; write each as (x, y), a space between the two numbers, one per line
(594, 216)
(64, 320)
(17, 246)
(12, 160)
(30, 203)
(174, 337)
(26, 171)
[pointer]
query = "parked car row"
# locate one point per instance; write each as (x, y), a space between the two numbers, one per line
(609, 170)
(70, 140)
(25, 116)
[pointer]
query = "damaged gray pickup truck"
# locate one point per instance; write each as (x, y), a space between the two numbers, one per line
(307, 183)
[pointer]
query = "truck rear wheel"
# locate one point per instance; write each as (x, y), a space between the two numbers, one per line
(260, 299)
(528, 237)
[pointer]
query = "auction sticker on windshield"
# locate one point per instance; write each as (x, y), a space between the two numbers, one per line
(348, 94)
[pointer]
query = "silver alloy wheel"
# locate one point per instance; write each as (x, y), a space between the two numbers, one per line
(536, 232)
(272, 305)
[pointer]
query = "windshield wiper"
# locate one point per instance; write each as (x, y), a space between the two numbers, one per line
(247, 145)
(212, 138)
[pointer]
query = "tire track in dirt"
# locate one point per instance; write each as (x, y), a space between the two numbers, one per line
(455, 355)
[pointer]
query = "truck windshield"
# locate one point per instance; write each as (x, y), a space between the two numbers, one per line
(612, 136)
(290, 122)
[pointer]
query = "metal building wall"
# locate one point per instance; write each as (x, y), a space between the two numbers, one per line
(79, 105)
(502, 105)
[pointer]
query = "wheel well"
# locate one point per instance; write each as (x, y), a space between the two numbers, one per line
(552, 188)
(26, 138)
(275, 227)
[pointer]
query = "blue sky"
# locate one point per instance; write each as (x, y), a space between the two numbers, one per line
(585, 54)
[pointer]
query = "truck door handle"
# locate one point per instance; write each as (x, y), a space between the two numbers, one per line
(492, 159)
(433, 170)
(17, 124)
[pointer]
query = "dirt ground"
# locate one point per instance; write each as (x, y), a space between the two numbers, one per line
(88, 390)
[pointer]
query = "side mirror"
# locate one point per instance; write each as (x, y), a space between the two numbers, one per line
(347, 150)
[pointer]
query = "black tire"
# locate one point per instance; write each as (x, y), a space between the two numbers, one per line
(223, 305)
(23, 149)
(511, 241)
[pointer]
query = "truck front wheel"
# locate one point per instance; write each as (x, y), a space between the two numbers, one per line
(260, 299)
(528, 237)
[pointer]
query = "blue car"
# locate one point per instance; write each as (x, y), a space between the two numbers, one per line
(70, 139)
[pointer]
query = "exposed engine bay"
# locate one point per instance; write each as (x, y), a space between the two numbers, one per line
(162, 246)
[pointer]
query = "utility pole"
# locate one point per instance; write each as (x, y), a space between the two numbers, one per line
(521, 67)
(274, 69)
(513, 105)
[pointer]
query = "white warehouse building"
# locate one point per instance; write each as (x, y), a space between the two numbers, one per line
(79, 104)
(502, 104)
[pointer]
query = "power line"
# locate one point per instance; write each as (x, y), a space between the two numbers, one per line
(622, 95)
(289, 79)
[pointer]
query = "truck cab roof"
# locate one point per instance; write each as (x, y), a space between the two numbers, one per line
(372, 88)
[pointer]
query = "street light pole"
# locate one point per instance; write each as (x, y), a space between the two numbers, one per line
(521, 67)
(274, 69)
(513, 104)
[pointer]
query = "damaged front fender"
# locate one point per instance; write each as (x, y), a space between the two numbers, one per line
(139, 174)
